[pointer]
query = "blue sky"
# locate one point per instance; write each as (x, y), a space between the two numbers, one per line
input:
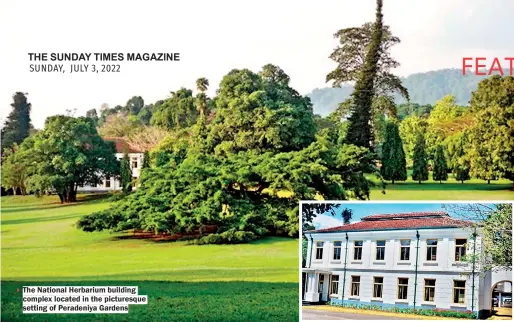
(365, 209)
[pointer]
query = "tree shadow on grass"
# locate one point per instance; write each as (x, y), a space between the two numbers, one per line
(38, 219)
(175, 301)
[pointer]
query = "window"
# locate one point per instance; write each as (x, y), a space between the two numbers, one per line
(337, 250)
(459, 292)
(357, 250)
(460, 249)
(429, 290)
(403, 284)
(319, 250)
(108, 182)
(134, 181)
(134, 163)
(334, 284)
(431, 249)
(356, 285)
(320, 283)
(404, 249)
(378, 285)
(380, 250)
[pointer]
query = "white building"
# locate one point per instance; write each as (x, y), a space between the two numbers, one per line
(111, 183)
(402, 260)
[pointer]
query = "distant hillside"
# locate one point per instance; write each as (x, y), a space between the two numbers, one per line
(424, 88)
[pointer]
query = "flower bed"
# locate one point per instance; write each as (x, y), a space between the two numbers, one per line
(430, 312)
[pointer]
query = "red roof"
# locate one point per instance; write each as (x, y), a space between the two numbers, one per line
(426, 214)
(401, 221)
(121, 144)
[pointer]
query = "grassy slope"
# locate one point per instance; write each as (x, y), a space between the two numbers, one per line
(40, 244)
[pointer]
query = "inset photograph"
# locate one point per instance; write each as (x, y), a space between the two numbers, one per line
(406, 260)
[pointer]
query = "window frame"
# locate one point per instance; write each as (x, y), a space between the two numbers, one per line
(340, 247)
(132, 161)
(402, 285)
(381, 289)
(429, 286)
(321, 283)
(408, 249)
(358, 288)
(432, 247)
(317, 248)
(330, 291)
(107, 182)
(355, 247)
(376, 250)
(454, 288)
(462, 247)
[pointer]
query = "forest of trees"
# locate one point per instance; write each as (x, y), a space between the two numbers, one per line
(241, 161)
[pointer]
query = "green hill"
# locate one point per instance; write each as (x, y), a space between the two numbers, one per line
(424, 88)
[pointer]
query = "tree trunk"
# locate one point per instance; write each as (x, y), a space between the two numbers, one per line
(61, 197)
(419, 181)
(488, 181)
(392, 181)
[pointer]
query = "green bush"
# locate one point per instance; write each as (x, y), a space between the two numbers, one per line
(428, 312)
(230, 236)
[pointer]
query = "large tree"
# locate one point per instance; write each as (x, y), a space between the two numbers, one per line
(492, 135)
(440, 169)
(67, 153)
(244, 171)
(17, 125)
(14, 171)
(360, 130)
(178, 111)
(410, 128)
(394, 166)
(494, 223)
(457, 147)
(420, 160)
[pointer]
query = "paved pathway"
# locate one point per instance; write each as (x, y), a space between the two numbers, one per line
(310, 314)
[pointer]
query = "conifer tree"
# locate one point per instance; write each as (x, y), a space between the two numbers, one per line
(360, 130)
(420, 167)
(125, 174)
(440, 171)
(17, 126)
(394, 166)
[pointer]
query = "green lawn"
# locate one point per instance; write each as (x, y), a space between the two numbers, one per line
(474, 189)
(40, 246)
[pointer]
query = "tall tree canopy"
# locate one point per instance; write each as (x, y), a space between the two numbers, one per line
(492, 135)
(17, 125)
(420, 160)
(440, 169)
(245, 170)
(360, 132)
(67, 153)
(394, 166)
(178, 111)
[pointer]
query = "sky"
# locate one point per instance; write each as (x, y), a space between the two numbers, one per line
(360, 210)
(214, 37)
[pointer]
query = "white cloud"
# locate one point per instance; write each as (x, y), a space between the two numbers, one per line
(324, 221)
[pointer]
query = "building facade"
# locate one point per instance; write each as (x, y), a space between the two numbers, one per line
(404, 260)
(112, 183)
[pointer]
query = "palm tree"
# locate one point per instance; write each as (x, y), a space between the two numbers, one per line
(201, 98)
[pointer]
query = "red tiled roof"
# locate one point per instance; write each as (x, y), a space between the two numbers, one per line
(395, 222)
(121, 144)
(426, 214)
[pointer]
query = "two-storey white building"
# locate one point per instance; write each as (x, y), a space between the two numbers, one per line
(112, 183)
(403, 260)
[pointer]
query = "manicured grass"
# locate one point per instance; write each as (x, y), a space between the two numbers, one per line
(41, 246)
(474, 189)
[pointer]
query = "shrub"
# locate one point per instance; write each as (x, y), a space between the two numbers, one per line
(230, 236)
(428, 312)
